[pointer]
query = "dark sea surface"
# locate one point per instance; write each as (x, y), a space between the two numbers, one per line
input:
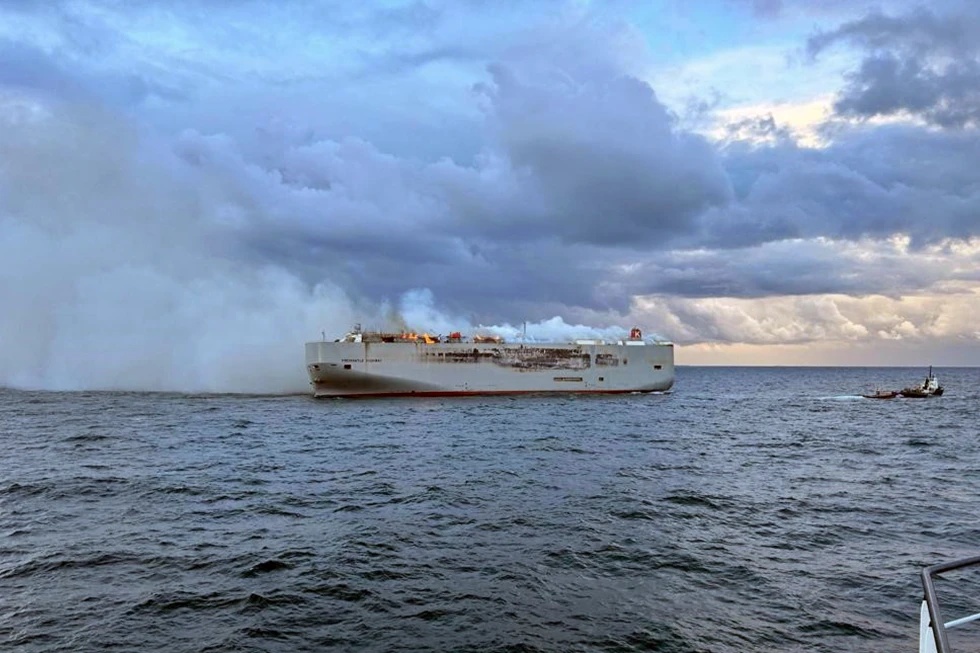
(750, 509)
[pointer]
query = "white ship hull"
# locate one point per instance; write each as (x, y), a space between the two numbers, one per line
(366, 369)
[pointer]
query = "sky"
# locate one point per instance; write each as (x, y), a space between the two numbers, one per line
(189, 191)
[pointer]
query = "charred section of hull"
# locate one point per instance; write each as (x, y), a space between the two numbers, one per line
(338, 382)
(527, 358)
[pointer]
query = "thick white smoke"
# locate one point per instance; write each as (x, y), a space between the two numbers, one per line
(419, 312)
(116, 271)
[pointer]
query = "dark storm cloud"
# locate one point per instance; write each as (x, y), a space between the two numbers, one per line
(594, 159)
(506, 281)
(924, 63)
(868, 183)
(778, 269)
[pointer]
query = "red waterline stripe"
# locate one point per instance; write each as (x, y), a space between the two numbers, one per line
(477, 393)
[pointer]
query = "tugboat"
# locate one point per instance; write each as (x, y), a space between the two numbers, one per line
(928, 388)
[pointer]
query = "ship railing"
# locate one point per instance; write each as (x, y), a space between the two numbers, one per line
(932, 629)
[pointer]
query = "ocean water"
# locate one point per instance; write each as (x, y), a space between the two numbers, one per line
(750, 509)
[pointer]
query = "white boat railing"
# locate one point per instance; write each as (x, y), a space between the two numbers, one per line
(932, 628)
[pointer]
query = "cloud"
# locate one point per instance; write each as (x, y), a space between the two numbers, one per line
(877, 182)
(600, 160)
(923, 63)
(782, 10)
(914, 319)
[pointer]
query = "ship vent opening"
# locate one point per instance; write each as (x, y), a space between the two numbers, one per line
(347, 366)
(657, 367)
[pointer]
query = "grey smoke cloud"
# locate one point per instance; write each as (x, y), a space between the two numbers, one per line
(113, 272)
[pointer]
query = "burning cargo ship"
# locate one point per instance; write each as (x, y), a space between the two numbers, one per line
(378, 364)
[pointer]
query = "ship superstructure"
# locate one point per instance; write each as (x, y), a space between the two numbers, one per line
(373, 363)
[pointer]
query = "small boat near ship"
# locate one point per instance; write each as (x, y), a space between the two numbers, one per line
(881, 394)
(928, 388)
(381, 364)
